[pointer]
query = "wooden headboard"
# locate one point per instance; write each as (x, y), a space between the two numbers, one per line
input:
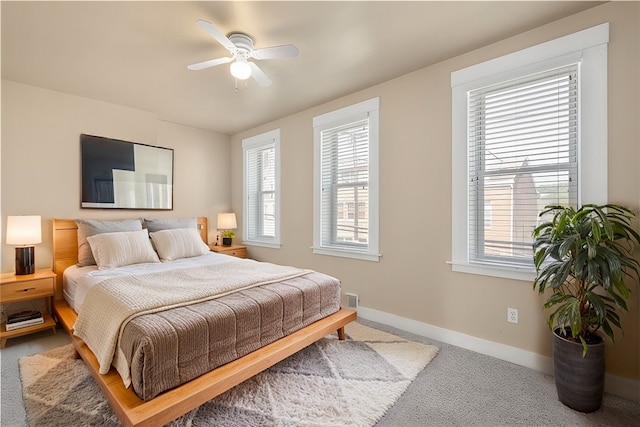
(65, 246)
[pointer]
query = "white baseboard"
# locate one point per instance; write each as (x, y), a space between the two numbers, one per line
(619, 386)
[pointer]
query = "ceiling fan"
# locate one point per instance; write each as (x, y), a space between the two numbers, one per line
(240, 45)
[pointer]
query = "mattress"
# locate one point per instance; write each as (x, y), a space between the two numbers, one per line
(170, 347)
(70, 279)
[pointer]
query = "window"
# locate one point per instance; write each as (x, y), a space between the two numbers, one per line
(261, 214)
(346, 182)
(522, 156)
(529, 130)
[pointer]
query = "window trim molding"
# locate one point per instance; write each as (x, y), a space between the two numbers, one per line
(266, 138)
(589, 47)
(370, 108)
(571, 43)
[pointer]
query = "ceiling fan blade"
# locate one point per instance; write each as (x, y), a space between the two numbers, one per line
(216, 34)
(284, 51)
(259, 76)
(209, 63)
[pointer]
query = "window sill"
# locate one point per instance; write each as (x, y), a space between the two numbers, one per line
(347, 254)
(515, 273)
(262, 244)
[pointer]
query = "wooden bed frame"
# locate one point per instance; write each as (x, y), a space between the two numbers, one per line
(130, 409)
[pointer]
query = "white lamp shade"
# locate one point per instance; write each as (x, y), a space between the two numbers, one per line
(24, 230)
(227, 221)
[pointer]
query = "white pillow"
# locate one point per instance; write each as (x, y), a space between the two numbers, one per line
(178, 243)
(124, 248)
(90, 227)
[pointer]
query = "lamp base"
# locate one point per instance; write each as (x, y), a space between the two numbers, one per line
(25, 260)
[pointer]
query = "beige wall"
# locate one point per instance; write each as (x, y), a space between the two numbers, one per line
(41, 160)
(412, 279)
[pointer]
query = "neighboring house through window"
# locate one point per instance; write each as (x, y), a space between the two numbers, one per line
(261, 215)
(345, 221)
(529, 130)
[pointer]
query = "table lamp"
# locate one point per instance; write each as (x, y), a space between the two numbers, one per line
(227, 223)
(24, 231)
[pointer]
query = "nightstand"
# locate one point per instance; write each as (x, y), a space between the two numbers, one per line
(27, 287)
(233, 250)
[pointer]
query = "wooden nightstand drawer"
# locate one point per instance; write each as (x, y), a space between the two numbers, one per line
(236, 251)
(239, 253)
(26, 290)
(23, 288)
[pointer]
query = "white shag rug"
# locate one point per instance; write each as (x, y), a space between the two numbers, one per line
(330, 383)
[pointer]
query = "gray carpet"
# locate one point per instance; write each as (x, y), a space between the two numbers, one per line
(464, 388)
(458, 388)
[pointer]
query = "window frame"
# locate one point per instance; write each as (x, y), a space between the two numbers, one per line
(589, 49)
(350, 114)
(263, 140)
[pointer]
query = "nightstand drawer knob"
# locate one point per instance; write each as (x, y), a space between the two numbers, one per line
(26, 289)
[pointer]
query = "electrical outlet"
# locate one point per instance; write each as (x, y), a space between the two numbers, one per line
(512, 315)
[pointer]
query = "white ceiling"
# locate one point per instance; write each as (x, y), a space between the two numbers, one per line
(136, 53)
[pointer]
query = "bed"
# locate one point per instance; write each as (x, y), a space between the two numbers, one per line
(245, 333)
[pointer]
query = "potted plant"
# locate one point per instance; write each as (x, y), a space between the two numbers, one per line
(583, 256)
(227, 237)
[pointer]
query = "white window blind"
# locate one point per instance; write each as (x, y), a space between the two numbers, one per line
(345, 185)
(522, 156)
(345, 220)
(261, 189)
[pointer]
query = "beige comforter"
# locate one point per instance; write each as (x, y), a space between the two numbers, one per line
(112, 303)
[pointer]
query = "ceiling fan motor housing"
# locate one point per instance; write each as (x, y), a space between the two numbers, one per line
(243, 42)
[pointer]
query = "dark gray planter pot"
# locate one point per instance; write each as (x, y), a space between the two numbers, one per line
(579, 380)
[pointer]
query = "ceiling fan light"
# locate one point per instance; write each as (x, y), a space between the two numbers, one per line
(240, 70)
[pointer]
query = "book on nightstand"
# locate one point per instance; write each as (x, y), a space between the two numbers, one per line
(24, 319)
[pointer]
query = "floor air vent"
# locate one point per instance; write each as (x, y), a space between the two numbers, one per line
(352, 300)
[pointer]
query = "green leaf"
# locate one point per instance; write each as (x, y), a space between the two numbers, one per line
(567, 245)
(606, 224)
(591, 248)
(595, 231)
(607, 329)
(584, 346)
(574, 319)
